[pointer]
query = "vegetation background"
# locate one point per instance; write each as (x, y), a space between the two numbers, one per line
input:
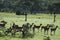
(39, 11)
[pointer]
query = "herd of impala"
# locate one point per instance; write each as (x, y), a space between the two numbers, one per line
(27, 26)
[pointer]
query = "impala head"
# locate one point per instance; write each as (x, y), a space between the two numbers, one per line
(40, 24)
(47, 24)
(32, 23)
(57, 26)
(27, 23)
(13, 23)
(4, 22)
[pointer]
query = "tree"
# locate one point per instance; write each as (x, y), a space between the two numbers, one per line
(56, 9)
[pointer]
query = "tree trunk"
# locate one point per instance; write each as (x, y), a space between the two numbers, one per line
(26, 17)
(54, 17)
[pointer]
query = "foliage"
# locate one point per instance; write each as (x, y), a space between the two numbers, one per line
(25, 5)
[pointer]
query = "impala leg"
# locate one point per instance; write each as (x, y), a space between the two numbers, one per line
(54, 32)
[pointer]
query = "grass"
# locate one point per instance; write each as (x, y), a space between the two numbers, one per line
(37, 19)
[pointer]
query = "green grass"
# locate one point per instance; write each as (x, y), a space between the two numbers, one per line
(37, 19)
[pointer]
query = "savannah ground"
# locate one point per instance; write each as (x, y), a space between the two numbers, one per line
(37, 19)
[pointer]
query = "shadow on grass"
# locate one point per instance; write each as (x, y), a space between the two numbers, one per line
(46, 38)
(28, 35)
(2, 35)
